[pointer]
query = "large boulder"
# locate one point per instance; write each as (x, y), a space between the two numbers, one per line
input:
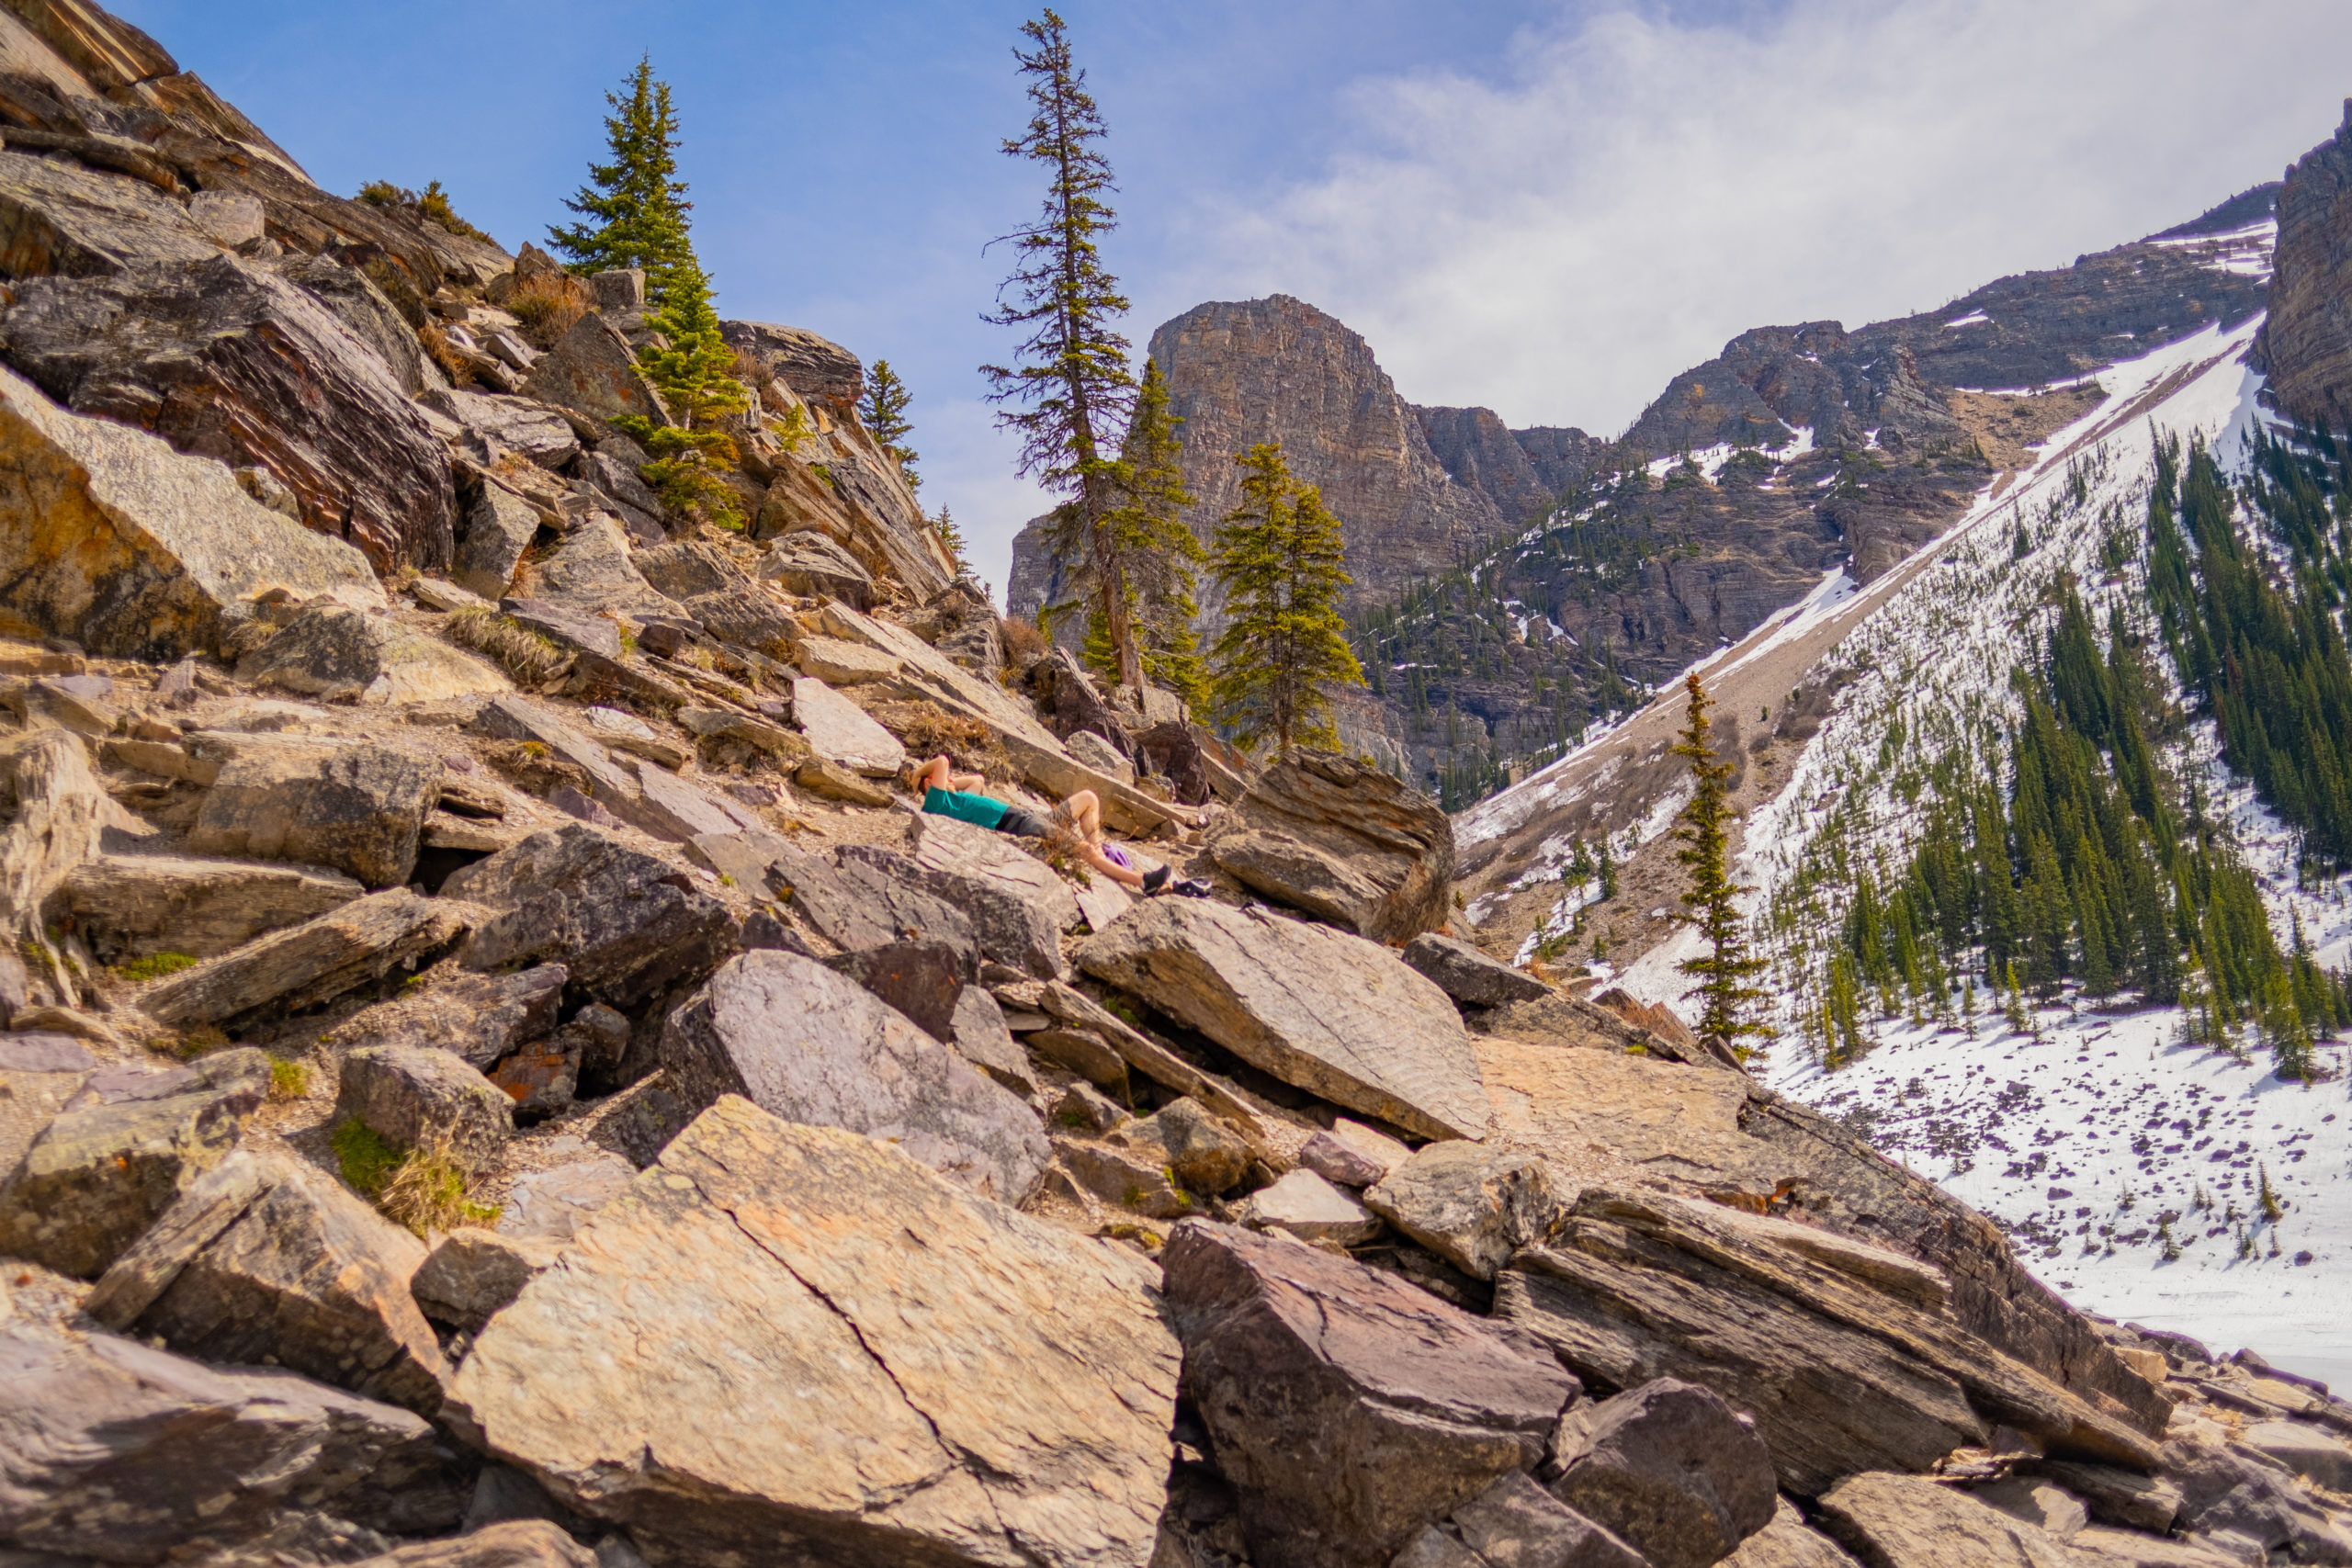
(1019, 905)
(1468, 975)
(1345, 842)
(1472, 1204)
(624, 924)
(1348, 1407)
(839, 731)
(130, 906)
(1669, 1468)
(808, 563)
(225, 359)
(316, 961)
(1846, 1356)
(1600, 1115)
(58, 217)
(99, 1175)
(862, 1362)
(355, 807)
(349, 656)
(119, 1452)
(266, 1259)
(1328, 1012)
(114, 540)
(477, 1018)
(813, 1046)
(593, 372)
(817, 368)
(414, 1096)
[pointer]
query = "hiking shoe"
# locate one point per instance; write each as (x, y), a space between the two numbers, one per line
(1191, 887)
(1157, 878)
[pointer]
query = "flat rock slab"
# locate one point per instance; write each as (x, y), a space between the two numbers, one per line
(1469, 976)
(1305, 1205)
(1842, 1372)
(862, 1362)
(349, 656)
(1788, 1542)
(1325, 1011)
(839, 663)
(102, 1172)
(356, 808)
(1349, 1408)
(134, 906)
(472, 1274)
(130, 549)
(314, 962)
(268, 1259)
(212, 1454)
(416, 1095)
(477, 1018)
(1345, 842)
(623, 924)
(839, 731)
(1019, 905)
(813, 1046)
(551, 1205)
(1910, 1521)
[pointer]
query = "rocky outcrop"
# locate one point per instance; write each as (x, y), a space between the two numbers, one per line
(356, 808)
(225, 359)
(1329, 1012)
(1021, 1414)
(2307, 340)
(1345, 842)
(113, 539)
(312, 962)
(1477, 450)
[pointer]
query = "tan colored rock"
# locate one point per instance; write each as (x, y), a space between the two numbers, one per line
(414, 1096)
(1786, 1542)
(1472, 1204)
(864, 1361)
(61, 218)
(472, 1274)
(830, 781)
(839, 731)
(593, 371)
(1348, 844)
(60, 817)
(315, 961)
(131, 906)
(1305, 1205)
(1319, 1009)
(1910, 1521)
(839, 663)
(509, 1544)
(267, 1259)
(339, 655)
(1353, 1154)
(355, 806)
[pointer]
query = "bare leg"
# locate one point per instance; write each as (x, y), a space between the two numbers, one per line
(1125, 876)
(1086, 815)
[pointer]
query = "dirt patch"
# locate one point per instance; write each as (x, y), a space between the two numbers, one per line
(2008, 428)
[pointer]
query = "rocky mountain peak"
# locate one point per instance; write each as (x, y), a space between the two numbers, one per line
(2307, 341)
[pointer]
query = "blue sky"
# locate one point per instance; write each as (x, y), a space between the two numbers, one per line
(1548, 208)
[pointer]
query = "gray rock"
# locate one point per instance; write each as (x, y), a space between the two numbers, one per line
(593, 371)
(121, 1154)
(565, 628)
(362, 307)
(976, 1030)
(131, 906)
(348, 656)
(212, 1455)
(686, 567)
(418, 1095)
(1468, 975)
(503, 1543)
(1351, 1154)
(356, 808)
(809, 1045)
(1325, 1011)
(553, 1205)
(477, 1018)
(133, 550)
(839, 731)
(64, 219)
(1348, 1407)
(924, 980)
(624, 924)
(1472, 1204)
(1668, 1468)
(591, 569)
(227, 217)
(990, 1389)
(265, 1258)
(1018, 904)
(2225, 1491)
(1305, 1205)
(743, 615)
(314, 962)
(499, 527)
(472, 1274)
(1084, 1052)
(808, 563)
(618, 289)
(1101, 755)
(225, 359)
(1344, 842)
(63, 1054)
(820, 370)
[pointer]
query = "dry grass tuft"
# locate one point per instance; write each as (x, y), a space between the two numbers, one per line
(423, 1187)
(548, 304)
(1022, 640)
(531, 659)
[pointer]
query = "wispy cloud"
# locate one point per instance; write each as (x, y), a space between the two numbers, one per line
(1557, 239)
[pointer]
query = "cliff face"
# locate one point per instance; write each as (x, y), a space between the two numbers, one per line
(2308, 340)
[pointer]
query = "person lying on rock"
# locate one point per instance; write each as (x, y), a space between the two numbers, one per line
(1075, 828)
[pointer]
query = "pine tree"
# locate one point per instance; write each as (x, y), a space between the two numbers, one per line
(1730, 1002)
(952, 538)
(1155, 554)
(636, 206)
(695, 376)
(1073, 388)
(883, 411)
(1279, 560)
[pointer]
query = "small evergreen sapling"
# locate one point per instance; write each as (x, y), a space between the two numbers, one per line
(1731, 1003)
(695, 376)
(883, 411)
(1285, 648)
(636, 206)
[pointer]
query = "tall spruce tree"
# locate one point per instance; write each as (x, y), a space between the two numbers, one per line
(1071, 394)
(636, 206)
(1156, 554)
(1282, 564)
(695, 375)
(1730, 1007)
(883, 411)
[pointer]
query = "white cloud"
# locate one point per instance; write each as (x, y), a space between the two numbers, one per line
(1557, 240)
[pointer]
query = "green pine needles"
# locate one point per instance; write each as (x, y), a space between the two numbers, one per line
(635, 207)
(1155, 555)
(1071, 391)
(883, 411)
(1284, 649)
(1732, 1006)
(695, 376)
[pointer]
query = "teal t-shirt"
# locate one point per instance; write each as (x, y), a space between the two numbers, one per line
(982, 810)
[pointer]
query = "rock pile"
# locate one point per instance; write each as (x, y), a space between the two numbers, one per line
(503, 1077)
